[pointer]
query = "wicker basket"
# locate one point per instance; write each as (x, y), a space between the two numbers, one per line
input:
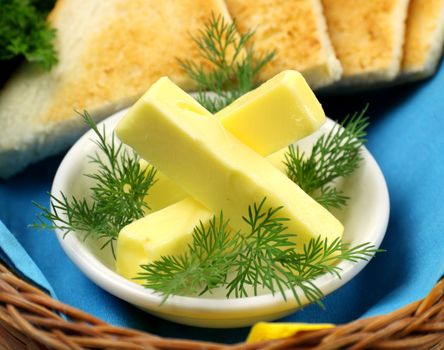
(30, 319)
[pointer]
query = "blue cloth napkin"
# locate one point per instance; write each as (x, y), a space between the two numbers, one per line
(16, 258)
(406, 138)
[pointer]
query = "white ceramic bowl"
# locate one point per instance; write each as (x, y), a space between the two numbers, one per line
(365, 220)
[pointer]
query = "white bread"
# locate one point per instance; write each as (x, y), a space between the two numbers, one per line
(424, 38)
(109, 53)
(296, 30)
(368, 37)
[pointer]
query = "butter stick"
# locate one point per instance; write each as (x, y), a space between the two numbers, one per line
(165, 192)
(279, 112)
(177, 135)
(165, 232)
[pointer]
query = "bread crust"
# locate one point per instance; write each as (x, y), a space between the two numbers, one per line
(424, 38)
(368, 38)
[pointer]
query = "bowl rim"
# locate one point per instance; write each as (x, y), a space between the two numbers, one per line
(148, 298)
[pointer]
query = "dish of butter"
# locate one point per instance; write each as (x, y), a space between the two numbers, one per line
(237, 171)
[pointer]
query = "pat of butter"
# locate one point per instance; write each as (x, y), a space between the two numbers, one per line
(149, 238)
(279, 112)
(268, 331)
(178, 136)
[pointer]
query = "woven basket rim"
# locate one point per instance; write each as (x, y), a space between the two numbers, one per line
(31, 319)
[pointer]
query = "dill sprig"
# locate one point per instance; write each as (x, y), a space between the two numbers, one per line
(319, 257)
(202, 267)
(117, 196)
(333, 155)
(243, 262)
(231, 64)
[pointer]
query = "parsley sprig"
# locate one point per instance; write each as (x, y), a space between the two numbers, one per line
(243, 262)
(24, 32)
(335, 154)
(231, 64)
(117, 196)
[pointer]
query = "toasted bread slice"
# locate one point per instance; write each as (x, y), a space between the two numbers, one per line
(424, 38)
(296, 30)
(368, 37)
(109, 52)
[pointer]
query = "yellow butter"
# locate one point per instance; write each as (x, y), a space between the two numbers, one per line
(268, 331)
(165, 192)
(148, 239)
(168, 230)
(175, 134)
(277, 159)
(279, 112)
(267, 119)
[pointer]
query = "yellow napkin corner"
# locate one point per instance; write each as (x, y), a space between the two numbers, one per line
(267, 331)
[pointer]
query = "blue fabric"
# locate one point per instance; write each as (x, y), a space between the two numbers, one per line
(406, 137)
(18, 260)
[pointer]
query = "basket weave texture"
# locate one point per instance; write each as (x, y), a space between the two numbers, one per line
(30, 319)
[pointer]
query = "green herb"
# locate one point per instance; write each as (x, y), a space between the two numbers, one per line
(117, 197)
(231, 60)
(333, 155)
(263, 257)
(24, 31)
